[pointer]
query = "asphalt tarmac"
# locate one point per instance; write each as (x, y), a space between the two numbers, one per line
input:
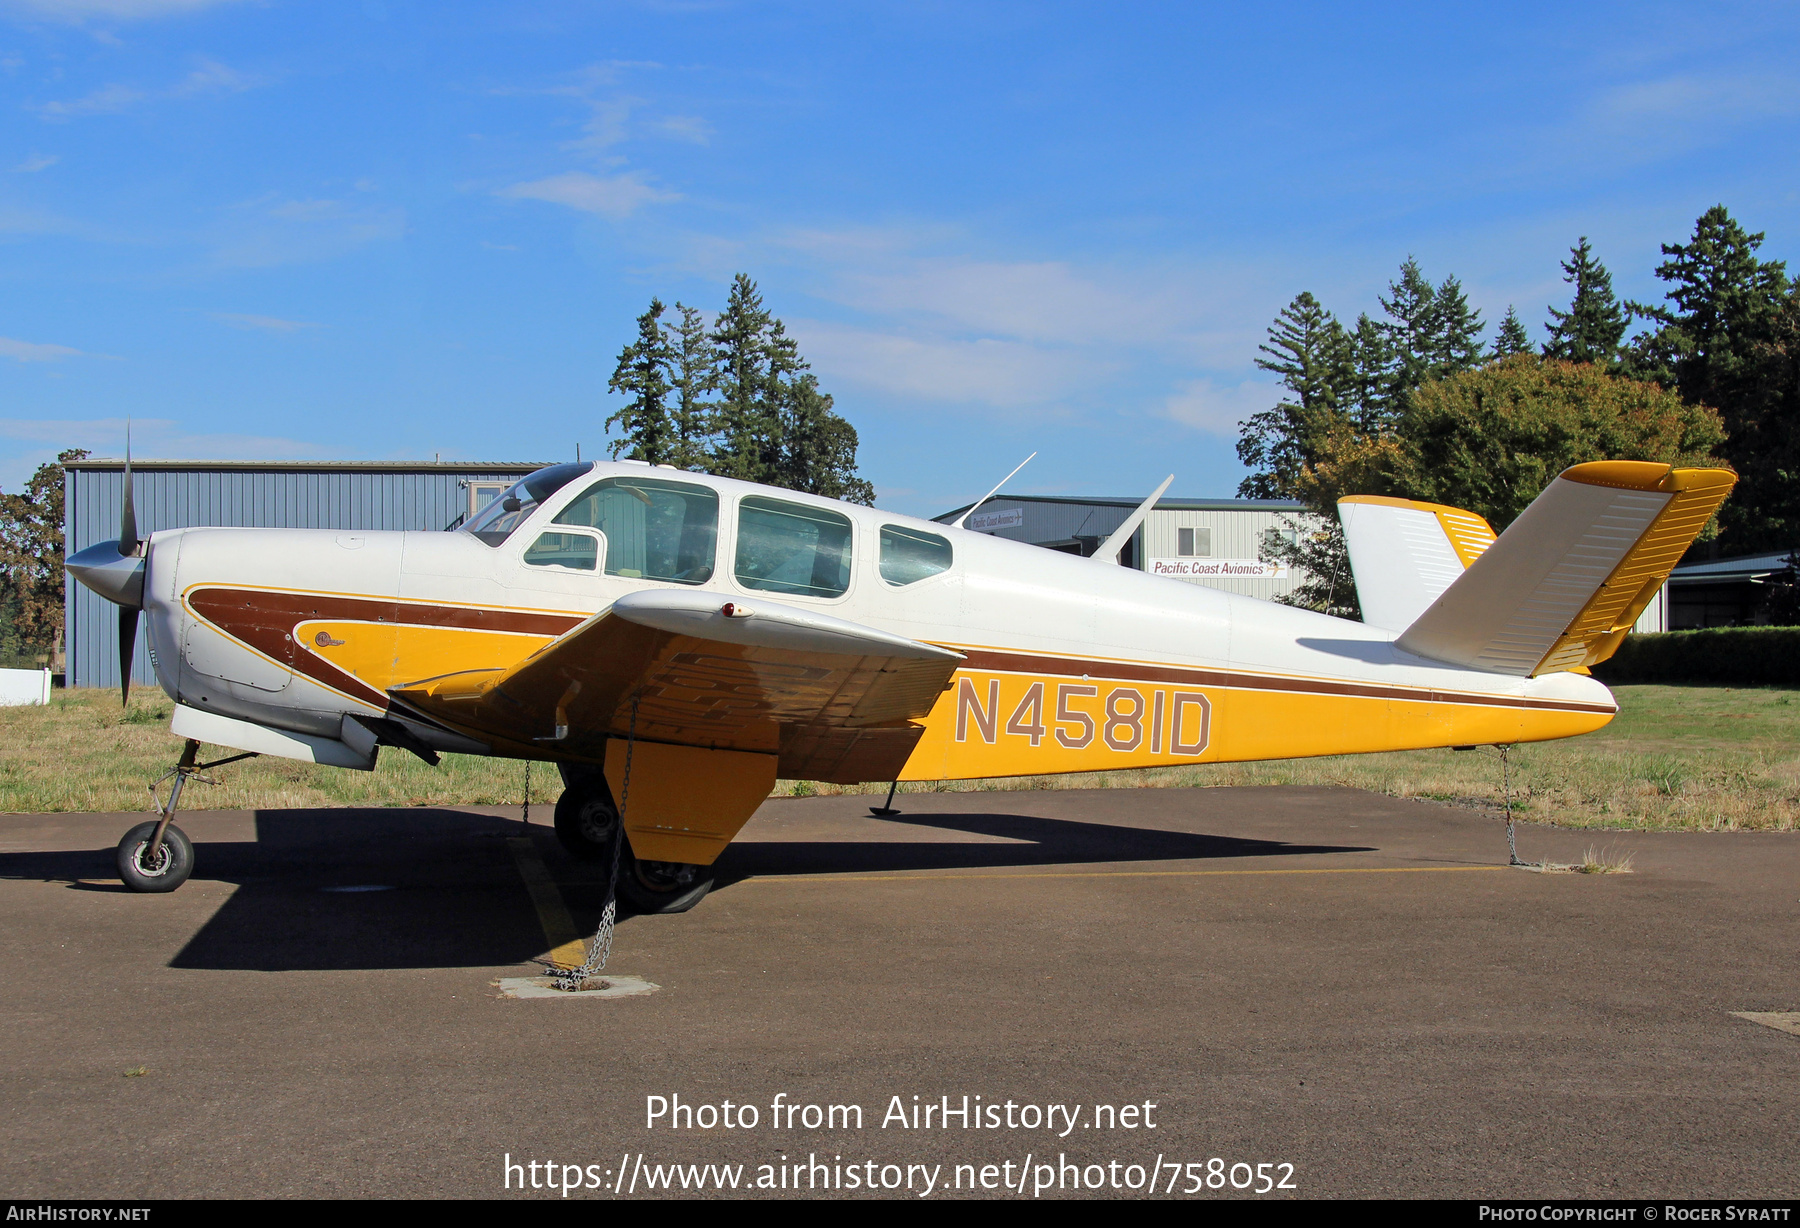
(1348, 984)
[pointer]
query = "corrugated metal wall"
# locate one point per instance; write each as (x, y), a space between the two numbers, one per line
(1235, 534)
(278, 496)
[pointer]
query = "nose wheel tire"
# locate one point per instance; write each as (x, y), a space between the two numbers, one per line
(166, 870)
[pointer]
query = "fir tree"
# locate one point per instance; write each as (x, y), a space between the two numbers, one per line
(1511, 337)
(642, 373)
(1711, 342)
(753, 358)
(1311, 353)
(1430, 332)
(1371, 396)
(1458, 341)
(1413, 331)
(818, 448)
(1724, 303)
(1590, 330)
(692, 376)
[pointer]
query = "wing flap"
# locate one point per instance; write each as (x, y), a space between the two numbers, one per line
(1562, 586)
(821, 692)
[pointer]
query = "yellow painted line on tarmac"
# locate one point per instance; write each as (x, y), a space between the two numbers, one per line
(907, 878)
(566, 948)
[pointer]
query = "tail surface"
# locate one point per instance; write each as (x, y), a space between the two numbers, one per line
(1562, 586)
(1404, 554)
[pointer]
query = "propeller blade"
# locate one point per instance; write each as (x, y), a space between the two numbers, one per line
(128, 623)
(128, 530)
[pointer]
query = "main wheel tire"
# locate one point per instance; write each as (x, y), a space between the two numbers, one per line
(661, 886)
(170, 868)
(587, 821)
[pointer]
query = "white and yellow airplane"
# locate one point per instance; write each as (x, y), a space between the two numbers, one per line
(677, 642)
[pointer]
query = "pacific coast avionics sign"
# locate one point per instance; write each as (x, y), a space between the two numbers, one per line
(1218, 569)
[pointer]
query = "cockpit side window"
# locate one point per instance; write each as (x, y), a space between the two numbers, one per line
(497, 520)
(792, 548)
(655, 529)
(911, 555)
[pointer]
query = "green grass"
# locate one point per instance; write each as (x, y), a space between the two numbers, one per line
(1676, 757)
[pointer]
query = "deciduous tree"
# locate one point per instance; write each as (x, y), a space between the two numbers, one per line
(31, 557)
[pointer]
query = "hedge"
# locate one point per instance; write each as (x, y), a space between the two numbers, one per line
(1742, 656)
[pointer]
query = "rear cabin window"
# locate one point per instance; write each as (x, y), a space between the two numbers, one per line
(655, 529)
(791, 548)
(909, 555)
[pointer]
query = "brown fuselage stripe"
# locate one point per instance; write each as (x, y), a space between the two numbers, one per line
(266, 621)
(1019, 663)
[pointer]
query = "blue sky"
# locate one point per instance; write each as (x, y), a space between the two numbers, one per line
(389, 229)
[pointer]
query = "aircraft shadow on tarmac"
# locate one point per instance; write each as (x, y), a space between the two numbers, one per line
(1046, 842)
(431, 888)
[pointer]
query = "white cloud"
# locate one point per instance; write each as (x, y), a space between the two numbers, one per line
(271, 231)
(1206, 406)
(117, 10)
(209, 79)
(31, 351)
(1194, 314)
(989, 371)
(268, 324)
(690, 128)
(1038, 302)
(1689, 99)
(612, 196)
(606, 127)
(107, 100)
(213, 77)
(36, 163)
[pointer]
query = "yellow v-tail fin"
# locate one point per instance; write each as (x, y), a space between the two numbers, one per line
(1563, 585)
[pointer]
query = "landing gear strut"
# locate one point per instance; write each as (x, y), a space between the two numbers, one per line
(157, 856)
(587, 823)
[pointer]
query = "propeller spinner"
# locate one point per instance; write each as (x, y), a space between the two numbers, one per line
(115, 570)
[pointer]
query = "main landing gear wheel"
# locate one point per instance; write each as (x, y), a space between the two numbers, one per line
(661, 886)
(587, 821)
(164, 870)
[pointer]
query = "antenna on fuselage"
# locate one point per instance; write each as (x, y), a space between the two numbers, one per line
(990, 494)
(1109, 550)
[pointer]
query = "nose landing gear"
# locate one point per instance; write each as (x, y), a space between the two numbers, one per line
(157, 856)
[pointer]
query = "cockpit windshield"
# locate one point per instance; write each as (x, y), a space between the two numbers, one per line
(496, 522)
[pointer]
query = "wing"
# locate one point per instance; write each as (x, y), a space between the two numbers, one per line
(1563, 585)
(834, 699)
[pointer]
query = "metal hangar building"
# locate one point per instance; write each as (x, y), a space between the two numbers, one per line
(179, 494)
(1212, 542)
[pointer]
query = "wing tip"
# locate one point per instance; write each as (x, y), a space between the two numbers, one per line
(1648, 476)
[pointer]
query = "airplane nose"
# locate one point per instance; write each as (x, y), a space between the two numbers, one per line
(117, 577)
